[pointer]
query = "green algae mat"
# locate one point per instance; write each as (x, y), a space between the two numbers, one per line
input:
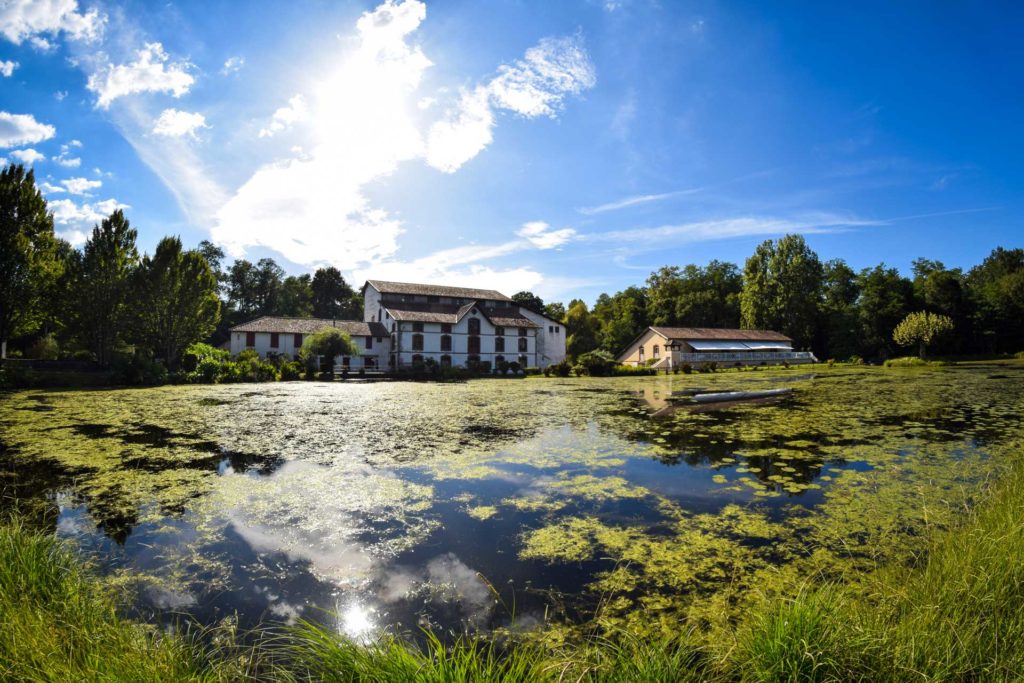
(544, 504)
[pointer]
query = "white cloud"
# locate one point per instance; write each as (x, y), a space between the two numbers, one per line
(533, 86)
(363, 120)
(150, 72)
(285, 117)
(539, 234)
(21, 19)
(7, 68)
(48, 188)
(23, 129)
(67, 212)
(60, 95)
(176, 123)
(80, 186)
(65, 159)
(73, 236)
(232, 64)
(27, 156)
(632, 201)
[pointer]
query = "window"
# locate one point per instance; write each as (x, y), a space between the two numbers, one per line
(523, 362)
(656, 352)
(473, 359)
(641, 354)
(446, 361)
(417, 342)
(392, 328)
(417, 327)
(275, 338)
(558, 330)
(474, 345)
(522, 331)
(446, 328)
(499, 359)
(499, 343)
(474, 325)
(370, 362)
(250, 339)
(380, 314)
(551, 329)
(369, 342)
(522, 344)
(297, 341)
(346, 361)
(499, 331)
(446, 343)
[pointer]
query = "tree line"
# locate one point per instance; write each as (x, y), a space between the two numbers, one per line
(106, 300)
(827, 307)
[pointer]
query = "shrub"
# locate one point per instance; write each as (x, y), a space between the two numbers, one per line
(1019, 355)
(291, 370)
(596, 363)
(562, 368)
(195, 354)
(831, 362)
(855, 360)
(515, 367)
(139, 368)
(502, 367)
(713, 366)
(532, 372)
(44, 348)
(547, 370)
(84, 355)
(632, 370)
(686, 368)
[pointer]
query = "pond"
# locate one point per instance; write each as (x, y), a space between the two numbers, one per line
(503, 503)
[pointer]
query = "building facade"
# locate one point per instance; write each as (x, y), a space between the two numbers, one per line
(275, 335)
(407, 325)
(459, 326)
(668, 347)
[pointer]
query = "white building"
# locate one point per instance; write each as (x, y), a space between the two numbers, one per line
(270, 335)
(669, 347)
(406, 324)
(456, 326)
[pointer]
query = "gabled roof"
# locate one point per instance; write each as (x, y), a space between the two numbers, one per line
(452, 314)
(387, 287)
(719, 333)
(271, 323)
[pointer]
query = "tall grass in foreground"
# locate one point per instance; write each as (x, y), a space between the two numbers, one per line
(957, 616)
(57, 623)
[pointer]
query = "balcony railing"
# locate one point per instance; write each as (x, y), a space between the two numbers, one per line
(746, 357)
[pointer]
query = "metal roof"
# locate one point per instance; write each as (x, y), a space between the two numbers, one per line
(724, 334)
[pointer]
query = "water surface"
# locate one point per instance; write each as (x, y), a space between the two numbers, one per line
(503, 503)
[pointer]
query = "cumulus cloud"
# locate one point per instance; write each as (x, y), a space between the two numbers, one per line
(232, 64)
(67, 212)
(27, 156)
(150, 72)
(34, 19)
(49, 188)
(74, 236)
(285, 117)
(365, 119)
(7, 68)
(23, 129)
(176, 123)
(533, 86)
(65, 159)
(80, 186)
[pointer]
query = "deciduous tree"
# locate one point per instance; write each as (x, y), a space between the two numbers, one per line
(921, 328)
(782, 285)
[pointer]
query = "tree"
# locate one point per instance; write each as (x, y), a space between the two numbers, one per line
(296, 297)
(333, 297)
(664, 289)
(101, 285)
(328, 343)
(839, 326)
(529, 300)
(28, 262)
(782, 284)
(214, 256)
(555, 311)
(581, 333)
(942, 290)
(921, 328)
(176, 302)
(885, 298)
(996, 290)
(620, 318)
(254, 290)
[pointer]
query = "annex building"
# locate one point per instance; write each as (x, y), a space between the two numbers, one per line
(405, 324)
(668, 347)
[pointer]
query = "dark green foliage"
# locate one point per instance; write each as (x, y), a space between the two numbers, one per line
(996, 291)
(885, 299)
(695, 296)
(334, 298)
(596, 363)
(100, 286)
(620, 318)
(580, 329)
(28, 254)
(529, 300)
(175, 300)
(326, 345)
(782, 284)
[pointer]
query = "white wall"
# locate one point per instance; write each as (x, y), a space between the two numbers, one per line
(460, 343)
(550, 339)
(379, 350)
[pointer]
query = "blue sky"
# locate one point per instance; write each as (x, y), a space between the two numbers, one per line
(568, 148)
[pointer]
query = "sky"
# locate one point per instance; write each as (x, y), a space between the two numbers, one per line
(568, 148)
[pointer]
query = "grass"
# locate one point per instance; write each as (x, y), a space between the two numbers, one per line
(957, 614)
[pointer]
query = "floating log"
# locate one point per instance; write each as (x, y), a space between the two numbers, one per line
(739, 395)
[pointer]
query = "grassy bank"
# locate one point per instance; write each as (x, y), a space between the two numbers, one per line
(957, 614)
